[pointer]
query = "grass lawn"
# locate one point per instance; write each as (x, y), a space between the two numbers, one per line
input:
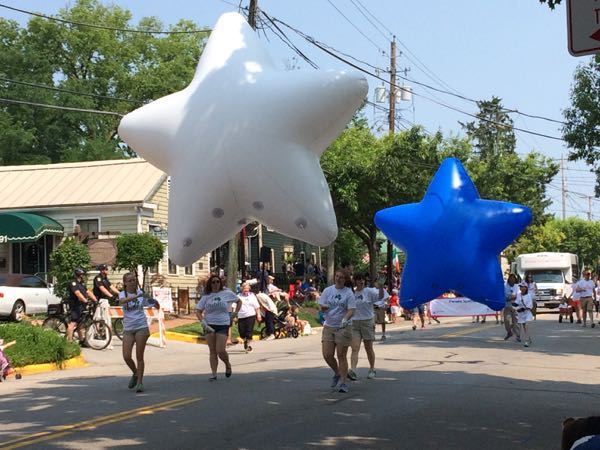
(195, 328)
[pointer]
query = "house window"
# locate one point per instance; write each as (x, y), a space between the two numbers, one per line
(153, 269)
(189, 270)
(88, 225)
(172, 268)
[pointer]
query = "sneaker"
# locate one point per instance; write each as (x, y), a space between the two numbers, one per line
(518, 339)
(578, 320)
(593, 325)
(343, 388)
(334, 381)
(414, 327)
(526, 344)
(213, 378)
(508, 335)
(139, 388)
(352, 375)
(383, 338)
(132, 381)
(372, 374)
(249, 349)
(270, 337)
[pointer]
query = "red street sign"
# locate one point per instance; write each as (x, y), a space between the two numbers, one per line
(583, 25)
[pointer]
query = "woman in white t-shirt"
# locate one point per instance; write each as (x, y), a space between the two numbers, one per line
(338, 304)
(248, 312)
(363, 322)
(214, 312)
(523, 305)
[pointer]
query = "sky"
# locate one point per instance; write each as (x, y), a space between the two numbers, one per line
(512, 49)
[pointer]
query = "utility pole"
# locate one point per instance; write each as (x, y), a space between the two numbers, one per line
(392, 128)
(590, 198)
(563, 187)
(233, 262)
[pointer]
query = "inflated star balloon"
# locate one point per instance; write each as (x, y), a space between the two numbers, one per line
(242, 142)
(452, 239)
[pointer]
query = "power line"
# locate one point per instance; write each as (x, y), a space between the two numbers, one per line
(368, 19)
(355, 27)
(102, 27)
(66, 108)
(331, 53)
(68, 91)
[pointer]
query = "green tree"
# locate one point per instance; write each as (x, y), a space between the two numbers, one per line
(498, 171)
(547, 237)
(104, 69)
(582, 237)
(68, 256)
(135, 250)
(582, 119)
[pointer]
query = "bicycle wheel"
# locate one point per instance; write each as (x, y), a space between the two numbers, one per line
(294, 333)
(57, 324)
(117, 328)
(98, 335)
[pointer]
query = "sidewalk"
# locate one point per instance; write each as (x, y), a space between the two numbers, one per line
(172, 321)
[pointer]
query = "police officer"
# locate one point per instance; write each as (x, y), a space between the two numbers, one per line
(103, 288)
(78, 298)
(104, 292)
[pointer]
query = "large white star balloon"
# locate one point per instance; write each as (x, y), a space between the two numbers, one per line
(242, 142)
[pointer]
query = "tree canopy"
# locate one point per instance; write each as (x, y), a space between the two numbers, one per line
(77, 66)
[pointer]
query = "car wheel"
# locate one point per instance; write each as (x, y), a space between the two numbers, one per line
(18, 311)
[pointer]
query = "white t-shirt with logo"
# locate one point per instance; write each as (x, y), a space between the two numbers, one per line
(249, 305)
(365, 299)
(217, 306)
(588, 285)
(339, 301)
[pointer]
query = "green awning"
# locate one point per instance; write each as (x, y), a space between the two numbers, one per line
(26, 227)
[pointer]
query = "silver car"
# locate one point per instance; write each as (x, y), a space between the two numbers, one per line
(24, 294)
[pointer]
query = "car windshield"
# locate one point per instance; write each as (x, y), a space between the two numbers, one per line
(546, 276)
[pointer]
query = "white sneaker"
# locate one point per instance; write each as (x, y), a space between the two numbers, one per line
(372, 374)
(270, 337)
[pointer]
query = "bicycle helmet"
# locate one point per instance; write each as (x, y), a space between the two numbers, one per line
(102, 267)
(79, 271)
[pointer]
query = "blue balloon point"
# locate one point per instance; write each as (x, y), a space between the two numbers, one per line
(452, 239)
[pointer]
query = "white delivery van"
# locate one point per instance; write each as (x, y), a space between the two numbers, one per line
(553, 274)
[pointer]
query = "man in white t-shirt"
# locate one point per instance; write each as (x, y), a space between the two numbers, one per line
(587, 294)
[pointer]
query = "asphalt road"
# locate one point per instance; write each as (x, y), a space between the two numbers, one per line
(456, 385)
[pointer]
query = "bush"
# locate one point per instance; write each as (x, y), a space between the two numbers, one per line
(36, 345)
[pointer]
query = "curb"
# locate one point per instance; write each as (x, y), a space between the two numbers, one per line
(190, 338)
(73, 363)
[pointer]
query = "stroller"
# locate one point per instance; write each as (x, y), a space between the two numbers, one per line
(280, 325)
(565, 310)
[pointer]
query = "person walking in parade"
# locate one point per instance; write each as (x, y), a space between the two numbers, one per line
(338, 304)
(214, 311)
(363, 323)
(247, 312)
(135, 328)
(524, 309)
(508, 313)
(587, 294)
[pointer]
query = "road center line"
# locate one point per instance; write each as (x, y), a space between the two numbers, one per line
(63, 430)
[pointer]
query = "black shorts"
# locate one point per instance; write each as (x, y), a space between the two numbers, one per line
(220, 329)
(76, 312)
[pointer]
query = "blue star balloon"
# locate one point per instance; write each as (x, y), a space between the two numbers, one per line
(452, 239)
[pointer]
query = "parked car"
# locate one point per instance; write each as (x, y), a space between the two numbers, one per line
(24, 294)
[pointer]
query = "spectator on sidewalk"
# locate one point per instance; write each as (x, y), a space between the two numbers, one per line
(269, 311)
(135, 328)
(276, 293)
(4, 362)
(104, 292)
(214, 312)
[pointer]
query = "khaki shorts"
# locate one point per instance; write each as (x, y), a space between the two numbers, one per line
(587, 304)
(341, 337)
(365, 329)
(379, 315)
